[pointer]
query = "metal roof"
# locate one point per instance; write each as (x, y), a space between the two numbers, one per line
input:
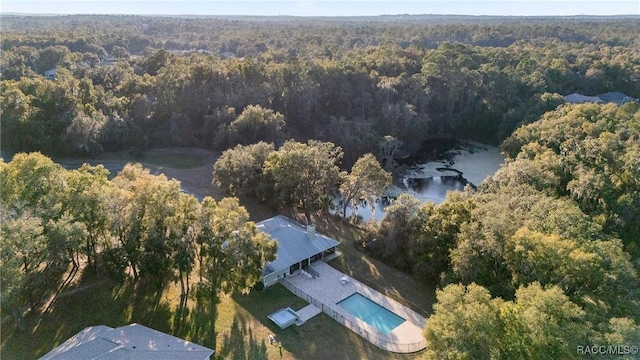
(616, 97)
(294, 245)
(576, 98)
(134, 341)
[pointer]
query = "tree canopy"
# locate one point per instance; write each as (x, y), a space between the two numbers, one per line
(558, 217)
(366, 183)
(540, 323)
(305, 174)
(348, 82)
(136, 224)
(540, 258)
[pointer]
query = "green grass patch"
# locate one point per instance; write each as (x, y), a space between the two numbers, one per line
(238, 327)
(320, 338)
(103, 304)
(176, 161)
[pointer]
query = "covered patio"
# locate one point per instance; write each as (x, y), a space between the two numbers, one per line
(298, 247)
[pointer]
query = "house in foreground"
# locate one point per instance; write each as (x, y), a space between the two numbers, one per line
(298, 246)
(130, 342)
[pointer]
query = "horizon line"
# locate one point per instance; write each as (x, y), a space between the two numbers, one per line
(324, 8)
(13, 13)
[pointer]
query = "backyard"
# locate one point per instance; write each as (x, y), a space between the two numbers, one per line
(238, 327)
(240, 330)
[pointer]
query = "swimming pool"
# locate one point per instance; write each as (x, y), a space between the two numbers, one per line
(371, 313)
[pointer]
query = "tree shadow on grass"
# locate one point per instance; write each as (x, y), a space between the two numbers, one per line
(143, 304)
(196, 323)
(103, 303)
(234, 345)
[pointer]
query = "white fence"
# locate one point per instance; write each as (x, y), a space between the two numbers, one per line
(378, 340)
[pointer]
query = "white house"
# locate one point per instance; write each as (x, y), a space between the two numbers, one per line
(131, 342)
(298, 246)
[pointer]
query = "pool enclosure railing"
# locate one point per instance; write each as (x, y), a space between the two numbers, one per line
(367, 332)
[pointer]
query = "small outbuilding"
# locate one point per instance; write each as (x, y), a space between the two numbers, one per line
(51, 74)
(129, 342)
(298, 246)
(284, 318)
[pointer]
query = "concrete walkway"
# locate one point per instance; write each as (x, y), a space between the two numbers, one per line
(307, 313)
(327, 290)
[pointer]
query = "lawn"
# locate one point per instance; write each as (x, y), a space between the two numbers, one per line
(237, 328)
(240, 329)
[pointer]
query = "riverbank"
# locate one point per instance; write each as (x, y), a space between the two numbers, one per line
(468, 162)
(471, 160)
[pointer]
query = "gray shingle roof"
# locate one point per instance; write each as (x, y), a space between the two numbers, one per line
(293, 242)
(132, 341)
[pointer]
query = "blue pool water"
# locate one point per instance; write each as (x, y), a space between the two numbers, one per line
(371, 313)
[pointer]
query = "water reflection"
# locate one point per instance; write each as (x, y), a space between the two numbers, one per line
(435, 188)
(432, 189)
(441, 165)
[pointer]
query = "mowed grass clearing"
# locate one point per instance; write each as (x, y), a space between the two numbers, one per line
(176, 161)
(237, 328)
(240, 329)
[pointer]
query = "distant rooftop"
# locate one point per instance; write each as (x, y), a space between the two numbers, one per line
(576, 98)
(616, 97)
(130, 342)
(610, 97)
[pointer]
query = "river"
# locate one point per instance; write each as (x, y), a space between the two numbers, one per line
(457, 165)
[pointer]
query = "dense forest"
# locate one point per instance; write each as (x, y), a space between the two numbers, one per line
(149, 82)
(136, 223)
(544, 256)
(539, 259)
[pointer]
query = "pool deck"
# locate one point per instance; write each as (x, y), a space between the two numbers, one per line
(330, 288)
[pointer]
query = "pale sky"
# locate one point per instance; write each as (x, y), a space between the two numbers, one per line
(325, 7)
